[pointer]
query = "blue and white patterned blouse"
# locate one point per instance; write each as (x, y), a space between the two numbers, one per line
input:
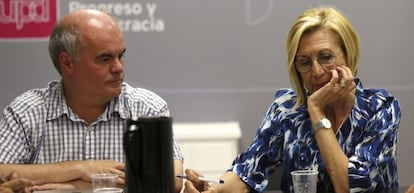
(368, 137)
(38, 127)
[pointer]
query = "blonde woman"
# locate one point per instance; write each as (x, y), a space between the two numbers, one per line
(327, 122)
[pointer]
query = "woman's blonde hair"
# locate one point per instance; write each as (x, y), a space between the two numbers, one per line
(324, 17)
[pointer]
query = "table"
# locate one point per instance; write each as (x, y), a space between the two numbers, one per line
(64, 191)
(400, 189)
(394, 190)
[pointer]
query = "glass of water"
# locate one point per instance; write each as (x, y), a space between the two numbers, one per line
(304, 181)
(105, 183)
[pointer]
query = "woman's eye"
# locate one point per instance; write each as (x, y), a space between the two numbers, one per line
(303, 62)
(326, 57)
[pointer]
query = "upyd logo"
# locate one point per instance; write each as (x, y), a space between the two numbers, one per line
(27, 19)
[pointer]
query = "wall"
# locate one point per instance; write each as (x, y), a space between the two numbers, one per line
(222, 60)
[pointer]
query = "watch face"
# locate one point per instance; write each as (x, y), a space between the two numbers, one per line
(323, 123)
(326, 123)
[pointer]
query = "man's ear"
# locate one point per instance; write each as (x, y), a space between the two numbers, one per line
(65, 62)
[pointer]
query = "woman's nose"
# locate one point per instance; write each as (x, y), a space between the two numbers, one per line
(317, 69)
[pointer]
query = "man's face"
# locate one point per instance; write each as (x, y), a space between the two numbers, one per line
(99, 70)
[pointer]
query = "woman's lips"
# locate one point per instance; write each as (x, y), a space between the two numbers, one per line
(320, 85)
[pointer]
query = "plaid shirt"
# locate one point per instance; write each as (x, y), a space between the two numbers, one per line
(38, 127)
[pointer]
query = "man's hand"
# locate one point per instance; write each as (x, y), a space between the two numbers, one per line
(14, 184)
(103, 166)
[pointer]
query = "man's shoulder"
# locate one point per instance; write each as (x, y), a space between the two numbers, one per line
(141, 95)
(34, 97)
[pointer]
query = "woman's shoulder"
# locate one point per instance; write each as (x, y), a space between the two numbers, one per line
(375, 99)
(376, 96)
(285, 92)
(285, 96)
(372, 93)
(284, 103)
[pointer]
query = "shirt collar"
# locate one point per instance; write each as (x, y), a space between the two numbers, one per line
(57, 106)
(55, 101)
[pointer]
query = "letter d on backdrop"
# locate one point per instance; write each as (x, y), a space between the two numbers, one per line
(148, 149)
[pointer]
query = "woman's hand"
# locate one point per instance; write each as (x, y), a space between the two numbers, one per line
(410, 189)
(341, 84)
(193, 184)
(232, 184)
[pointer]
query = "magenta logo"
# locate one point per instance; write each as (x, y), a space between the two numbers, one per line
(21, 19)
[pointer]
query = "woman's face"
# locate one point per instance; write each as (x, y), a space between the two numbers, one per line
(318, 53)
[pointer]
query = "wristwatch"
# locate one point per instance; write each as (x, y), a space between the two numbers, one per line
(323, 123)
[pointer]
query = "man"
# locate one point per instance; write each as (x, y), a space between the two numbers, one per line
(60, 135)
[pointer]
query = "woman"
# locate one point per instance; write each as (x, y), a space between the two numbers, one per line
(327, 122)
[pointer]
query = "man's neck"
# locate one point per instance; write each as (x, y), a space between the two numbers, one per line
(89, 114)
(88, 110)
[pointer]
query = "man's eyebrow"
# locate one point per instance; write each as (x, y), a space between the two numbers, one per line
(107, 54)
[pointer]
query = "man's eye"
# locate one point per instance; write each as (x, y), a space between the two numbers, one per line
(104, 58)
